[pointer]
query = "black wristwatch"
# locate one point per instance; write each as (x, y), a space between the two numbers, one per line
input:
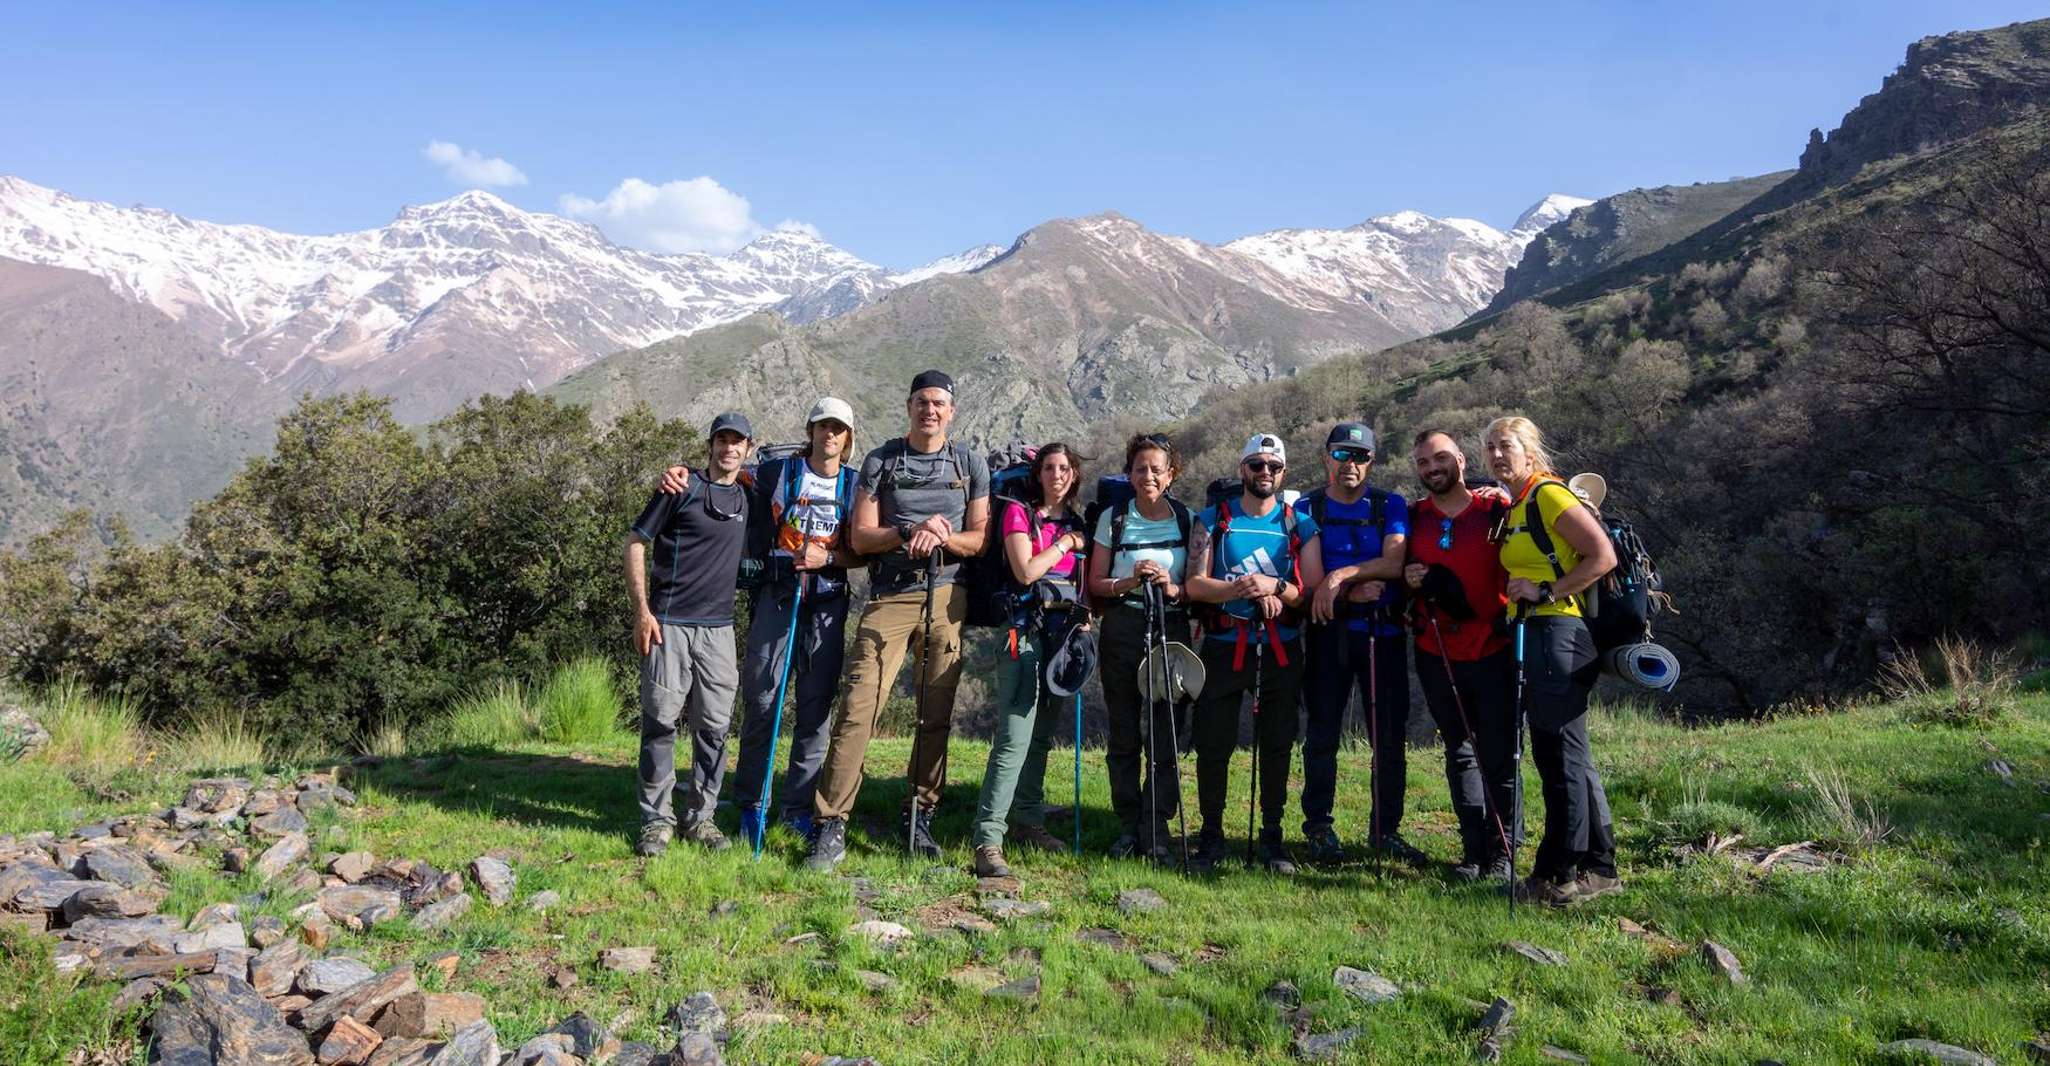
(905, 530)
(1544, 592)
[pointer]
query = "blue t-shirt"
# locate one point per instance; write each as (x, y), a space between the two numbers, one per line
(1254, 546)
(1350, 538)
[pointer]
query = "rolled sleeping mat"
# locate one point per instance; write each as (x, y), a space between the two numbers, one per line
(1644, 664)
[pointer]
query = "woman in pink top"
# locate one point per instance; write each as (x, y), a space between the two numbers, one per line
(1042, 538)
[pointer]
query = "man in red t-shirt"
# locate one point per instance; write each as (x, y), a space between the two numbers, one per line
(1463, 661)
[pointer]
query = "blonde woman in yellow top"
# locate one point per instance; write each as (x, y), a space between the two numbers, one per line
(1576, 859)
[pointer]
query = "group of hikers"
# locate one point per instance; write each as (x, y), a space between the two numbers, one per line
(1294, 603)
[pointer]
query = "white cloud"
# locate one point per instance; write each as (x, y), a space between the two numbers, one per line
(467, 166)
(697, 215)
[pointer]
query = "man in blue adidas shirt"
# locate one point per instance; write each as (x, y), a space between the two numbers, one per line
(1255, 559)
(1356, 644)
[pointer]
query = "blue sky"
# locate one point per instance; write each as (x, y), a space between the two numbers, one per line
(904, 132)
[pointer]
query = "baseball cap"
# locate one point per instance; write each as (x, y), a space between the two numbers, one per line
(932, 379)
(833, 408)
(1350, 435)
(1264, 443)
(734, 421)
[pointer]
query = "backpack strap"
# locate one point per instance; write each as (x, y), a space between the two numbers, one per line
(1534, 524)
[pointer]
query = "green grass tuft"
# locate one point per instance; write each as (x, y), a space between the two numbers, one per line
(580, 704)
(89, 731)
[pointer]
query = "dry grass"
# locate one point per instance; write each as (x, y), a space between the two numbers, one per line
(1975, 686)
(1855, 824)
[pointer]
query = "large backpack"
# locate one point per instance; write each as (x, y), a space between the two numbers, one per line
(1114, 493)
(985, 578)
(1620, 606)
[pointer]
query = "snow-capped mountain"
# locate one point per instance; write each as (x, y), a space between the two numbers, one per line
(1421, 273)
(525, 296)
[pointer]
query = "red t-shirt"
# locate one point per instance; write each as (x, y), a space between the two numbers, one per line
(1478, 564)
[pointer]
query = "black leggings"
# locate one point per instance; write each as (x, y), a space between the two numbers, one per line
(1560, 665)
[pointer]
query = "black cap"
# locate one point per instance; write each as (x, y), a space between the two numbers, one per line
(932, 379)
(734, 421)
(1350, 434)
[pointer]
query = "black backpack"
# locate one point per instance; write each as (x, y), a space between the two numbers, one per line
(985, 578)
(1619, 607)
(1113, 493)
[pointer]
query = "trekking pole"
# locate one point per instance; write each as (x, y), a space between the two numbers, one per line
(776, 723)
(932, 567)
(1253, 798)
(1459, 704)
(1076, 813)
(1374, 841)
(1174, 738)
(1516, 758)
(1150, 762)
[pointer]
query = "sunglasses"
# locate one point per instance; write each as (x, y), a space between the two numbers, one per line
(1351, 455)
(1262, 466)
(1444, 534)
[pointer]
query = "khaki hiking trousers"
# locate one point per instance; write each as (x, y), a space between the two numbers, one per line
(889, 631)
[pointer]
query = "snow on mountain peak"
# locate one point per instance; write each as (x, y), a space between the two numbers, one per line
(1540, 216)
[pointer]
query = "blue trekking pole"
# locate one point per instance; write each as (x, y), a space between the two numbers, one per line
(776, 726)
(1076, 814)
(1516, 759)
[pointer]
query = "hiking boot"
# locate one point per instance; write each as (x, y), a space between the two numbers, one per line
(1274, 855)
(1325, 847)
(800, 824)
(1468, 870)
(655, 838)
(989, 862)
(1125, 846)
(1036, 836)
(1499, 870)
(1394, 847)
(751, 826)
(916, 826)
(1210, 850)
(829, 846)
(1594, 886)
(706, 835)
(1495, 869)
(1538, 889)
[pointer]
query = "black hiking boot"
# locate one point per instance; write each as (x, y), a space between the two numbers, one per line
(1392, 846)
(916, 826)
(1325, 849)
(829, 846)
(1274, 855)
(1125, 846)
(1209, 851)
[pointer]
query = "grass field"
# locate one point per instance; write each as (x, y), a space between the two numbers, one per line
(1934, 920)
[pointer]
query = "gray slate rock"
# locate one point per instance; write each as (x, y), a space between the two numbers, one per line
(1140, 901)
(281, 856)
(541, 901)
(439, 915)
(274, 969)
(1022, 990)
(325, 977)
(1324, 1047)
(1724, 962)
(1364, 985)
(349, 901)
(1013, 909)
(1160, 962)
(119, 864)
(211, 938)
(635, 1053)
(696, 1049)
(698, 1013)
(475, 1044)
(1283, 995)
(223, 1020)
(495, 878)
(1541, 956)
(587, 1039)
(1919, 1050)
(278, 823)
(213, 795)
(111, 934)
(215, 914)
(19, 725)
(104, 900)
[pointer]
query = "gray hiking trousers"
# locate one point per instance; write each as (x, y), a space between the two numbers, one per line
(808, 697)
(687, 680)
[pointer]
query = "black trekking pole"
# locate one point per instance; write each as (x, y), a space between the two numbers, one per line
(932, 568)
(1253, 798)
(1150, 763)
(1374, 841)
(1459, 704)
(1516, 758)
(1174, 740)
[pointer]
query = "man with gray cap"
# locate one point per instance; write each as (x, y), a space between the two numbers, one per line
(922, 507)
(683, 630)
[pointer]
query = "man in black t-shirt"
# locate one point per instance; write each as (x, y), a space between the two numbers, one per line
(683, 630)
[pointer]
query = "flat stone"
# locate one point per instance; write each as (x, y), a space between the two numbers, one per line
(430, 1014)
(563, 979)
(215, 914)
(234, 961)
(440, 915)
(404, 1052)
(1536, 954)
(696, 1049)
(317, 795)
(1365, 985)
(262, 802)
(111, 901)
(1109, 938)
(266, 930)
(213, 795)
(879, 932)
(446, 964)
(349, 901)
(1559, 1054)
(353, 866)
(1140, 901)
(136, 993)
(1497, 1017)
(276, 859)
(211, 938)
(495, 878)
(325, 977)
(1160, 962)
(636, 1053)
(348, 1043)
(627, 960)
(969, 923)
(31, 885)
(543, 900)
(698, 1013)
(222, 1020)
(120, 864)
(1284, 995)
(30, 922)
(976, 978)
(111, 934)
(1024, 989)
(236, 860)
(474, 1045)
(1323, 1047)
(1007, 910)
(276, 968)
(129, 967)
(875, 981)
(279, 823)
(587, 1039)
(547, 1049)
(1724, 962)
(998, 886)
(1948, 1054)
(360, 1001)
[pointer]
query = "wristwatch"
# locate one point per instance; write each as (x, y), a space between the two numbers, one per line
(905, 529)
(1544, 592)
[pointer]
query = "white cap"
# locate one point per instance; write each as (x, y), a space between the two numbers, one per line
(833, 408)
(1266, 443)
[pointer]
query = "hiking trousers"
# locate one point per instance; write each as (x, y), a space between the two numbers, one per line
(890, 629)
(1559, 670)
(1225, 690)
(1120, 648)
(1028, 718)
(1480, 768)
(688, 680)
(1343, 660)
(820, 651)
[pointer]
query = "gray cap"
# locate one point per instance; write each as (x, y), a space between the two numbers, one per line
(734, 421)
(1350, 435)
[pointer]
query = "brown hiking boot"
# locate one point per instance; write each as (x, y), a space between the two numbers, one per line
(1595, 886)
(1535, 889)
(989, 862)
(1036, 836)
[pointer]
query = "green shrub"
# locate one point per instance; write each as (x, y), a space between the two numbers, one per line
(89, 730)
(580, 704)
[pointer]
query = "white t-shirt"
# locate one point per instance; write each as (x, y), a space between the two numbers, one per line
(813, 512)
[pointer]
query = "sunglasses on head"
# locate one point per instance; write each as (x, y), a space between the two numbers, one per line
(1352, 455)
(1263, 466)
